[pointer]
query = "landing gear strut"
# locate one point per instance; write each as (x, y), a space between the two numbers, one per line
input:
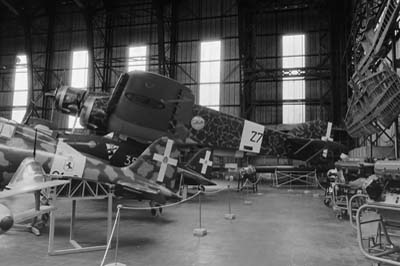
(156, 210)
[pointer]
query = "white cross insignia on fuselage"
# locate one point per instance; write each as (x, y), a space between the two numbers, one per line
(206, 162)
(165, 160)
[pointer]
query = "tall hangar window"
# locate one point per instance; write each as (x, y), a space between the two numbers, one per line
(79, 77)
(293, 88)
(210, 68)
(20, 97)
(137, 58)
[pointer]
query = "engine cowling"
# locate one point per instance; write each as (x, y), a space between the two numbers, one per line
(6, 219)
(93, 113)
(69, 100)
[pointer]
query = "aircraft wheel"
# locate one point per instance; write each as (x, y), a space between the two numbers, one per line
(159, 210)
(45, 218)
(327, 202)
(153, 212)
(35, 231)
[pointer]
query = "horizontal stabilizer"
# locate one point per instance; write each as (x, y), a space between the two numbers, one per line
(32, 213)
(29, 177)
(193, 178)
(138, 188)
(16, 190)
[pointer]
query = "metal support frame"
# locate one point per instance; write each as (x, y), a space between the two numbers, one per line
(343, 196)
(305, 179)
(76, 191)
(355, 202)
(381, 247)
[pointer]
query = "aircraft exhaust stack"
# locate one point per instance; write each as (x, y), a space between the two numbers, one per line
(6, 219)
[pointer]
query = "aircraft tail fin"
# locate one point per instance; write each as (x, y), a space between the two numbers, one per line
(158, 163)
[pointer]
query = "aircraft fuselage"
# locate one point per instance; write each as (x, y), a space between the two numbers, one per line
(18, 142)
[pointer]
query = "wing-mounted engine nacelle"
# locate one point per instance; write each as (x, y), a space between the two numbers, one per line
(69, 100)
(6, 219)
(94, 112)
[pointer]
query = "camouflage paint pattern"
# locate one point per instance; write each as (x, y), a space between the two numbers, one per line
(139, 177)
(176, 105)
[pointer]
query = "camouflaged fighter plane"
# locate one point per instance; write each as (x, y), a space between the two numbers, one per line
(145, 106)
(123, 152)
(195, 172)
(148, 178)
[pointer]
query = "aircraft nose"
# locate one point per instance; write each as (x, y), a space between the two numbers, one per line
(69, 100)
(6, 223)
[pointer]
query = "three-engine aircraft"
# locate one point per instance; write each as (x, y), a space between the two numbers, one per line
(149, 177)
(145, 106)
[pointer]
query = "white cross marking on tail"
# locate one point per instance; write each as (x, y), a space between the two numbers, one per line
(206, 162)
(165, 160)
(327, 137)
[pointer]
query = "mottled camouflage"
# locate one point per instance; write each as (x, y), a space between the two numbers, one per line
(139, 177)
(147, 106)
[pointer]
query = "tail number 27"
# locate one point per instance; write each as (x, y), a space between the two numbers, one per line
(256, 136)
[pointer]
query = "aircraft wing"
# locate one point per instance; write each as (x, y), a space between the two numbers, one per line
(31, 188)
(149, 191)
(311, 149)
(193, 178)
(29, 177)
(139, 188)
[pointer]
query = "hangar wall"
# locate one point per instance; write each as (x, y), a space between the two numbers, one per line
(58, 28)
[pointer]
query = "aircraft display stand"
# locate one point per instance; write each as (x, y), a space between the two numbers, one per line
(378, 230)
(78, 190)
(355, 202)
(295, 179)
(200, 231)
(229, 215)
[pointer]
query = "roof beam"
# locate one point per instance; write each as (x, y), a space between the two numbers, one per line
(10, 7)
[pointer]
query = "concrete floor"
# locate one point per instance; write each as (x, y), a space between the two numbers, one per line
(280, 228)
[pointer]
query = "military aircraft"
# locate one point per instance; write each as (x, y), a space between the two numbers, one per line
(29, 177)
(123, 152)
(145, 106)
(149, 177)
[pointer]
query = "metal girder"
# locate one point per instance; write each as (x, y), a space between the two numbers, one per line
(279, 73)
(10, 7)
(108, 37)
(50, 10)
(173, 39)
(79, 4)
(90, 46)
(88, 13)
(247, 38)
(159, 6)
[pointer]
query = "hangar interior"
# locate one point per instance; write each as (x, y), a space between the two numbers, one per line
(320, 77)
